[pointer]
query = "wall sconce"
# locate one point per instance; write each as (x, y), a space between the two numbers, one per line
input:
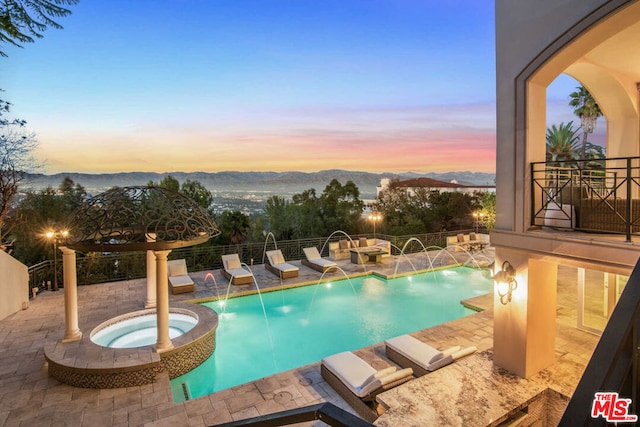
(505, 282)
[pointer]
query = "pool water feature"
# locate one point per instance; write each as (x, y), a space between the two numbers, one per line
(140, 328)
(344, 315)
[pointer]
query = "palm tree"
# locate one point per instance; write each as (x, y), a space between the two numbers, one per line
(235, 225)
(562, 143)
(585, 106)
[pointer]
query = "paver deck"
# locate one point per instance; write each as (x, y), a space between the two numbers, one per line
(28, 396)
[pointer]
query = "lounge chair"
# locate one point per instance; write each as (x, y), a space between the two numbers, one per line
(410, 352)
(179, 280)
(232, 269)
(358, 383)
(315, 261)
(277, 265)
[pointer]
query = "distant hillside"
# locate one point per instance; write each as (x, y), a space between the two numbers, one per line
(271, 182)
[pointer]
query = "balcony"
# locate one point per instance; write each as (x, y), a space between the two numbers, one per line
(595, 196)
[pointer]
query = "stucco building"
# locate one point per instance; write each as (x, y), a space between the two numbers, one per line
(593, 222)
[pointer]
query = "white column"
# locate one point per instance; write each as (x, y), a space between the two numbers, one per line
(150, 302)
(524, 328)
(162, 295)
(72, 331)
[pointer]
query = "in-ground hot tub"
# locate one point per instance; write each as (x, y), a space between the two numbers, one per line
(140, 328)
(86, 363)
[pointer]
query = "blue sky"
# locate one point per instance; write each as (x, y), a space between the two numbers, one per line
(212, 85)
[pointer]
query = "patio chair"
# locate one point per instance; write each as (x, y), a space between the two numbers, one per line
(234, 272)
(179, 280)
(358, 383)
(315, 261)
(410, 352)
(278, 266)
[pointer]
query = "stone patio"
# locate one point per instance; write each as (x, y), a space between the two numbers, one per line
(28, 396)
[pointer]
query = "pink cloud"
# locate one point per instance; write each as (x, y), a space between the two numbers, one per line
(393, 139)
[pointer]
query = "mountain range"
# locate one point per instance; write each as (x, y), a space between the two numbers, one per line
(240, 182)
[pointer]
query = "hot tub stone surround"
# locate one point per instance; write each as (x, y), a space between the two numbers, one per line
(85, 364)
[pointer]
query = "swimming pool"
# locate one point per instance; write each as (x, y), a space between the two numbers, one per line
(308, 323)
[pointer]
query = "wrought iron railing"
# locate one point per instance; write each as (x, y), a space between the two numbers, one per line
(41, 275)
(614, 365)
(96, 267)
(601, 196)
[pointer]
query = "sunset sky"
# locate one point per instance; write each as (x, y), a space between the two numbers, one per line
(263, 85)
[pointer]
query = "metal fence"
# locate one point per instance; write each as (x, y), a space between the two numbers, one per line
(94, 267)
(600, 197)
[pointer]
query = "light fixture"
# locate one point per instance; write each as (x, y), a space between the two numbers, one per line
(506, 282)
(478, 218)
(374, 217)
(56, 236)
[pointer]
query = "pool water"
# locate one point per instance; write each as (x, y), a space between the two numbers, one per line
(308, 323)
(141, 330)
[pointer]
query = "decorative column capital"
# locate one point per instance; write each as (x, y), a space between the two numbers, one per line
(66, 251)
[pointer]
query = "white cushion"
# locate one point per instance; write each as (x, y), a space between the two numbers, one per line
(286, 267)
(180, 281)
(440, 363)
(350, 369)
(379, 374)
(414, 349)
(464, 352)
(275, 257)
(311, 253)
(239, 273)
(177, 267)
(384, 380)
(231, 262)
(324, 262)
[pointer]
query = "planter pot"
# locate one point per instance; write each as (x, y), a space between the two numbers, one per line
(560, 216)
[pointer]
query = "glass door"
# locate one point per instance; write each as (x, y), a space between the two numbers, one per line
(598, 294)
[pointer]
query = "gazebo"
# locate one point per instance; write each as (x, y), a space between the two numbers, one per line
(125, 219)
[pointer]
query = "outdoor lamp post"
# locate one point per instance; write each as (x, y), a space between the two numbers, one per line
(374, 217)
(478, 216)
(56, 236)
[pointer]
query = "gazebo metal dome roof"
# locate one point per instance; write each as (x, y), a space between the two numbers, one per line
(138, 219)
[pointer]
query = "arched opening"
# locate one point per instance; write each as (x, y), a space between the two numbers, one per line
(602, 60)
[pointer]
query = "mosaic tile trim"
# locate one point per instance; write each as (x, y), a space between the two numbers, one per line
(191, 349)
(185, 358)
(116, 379)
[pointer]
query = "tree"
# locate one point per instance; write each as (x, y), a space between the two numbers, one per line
(278, 211)
(197, 192)
(23, 20)
(306, 215)
(16, 158)
(235, 226)
(585, 106)
(192, 189)
(39, 211)
(340, 207)
(72, 194)
(562, 143)
(168, 182)
(425, 210)
(488, 210)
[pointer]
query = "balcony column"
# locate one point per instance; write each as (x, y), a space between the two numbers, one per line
(150, 301)
(524, 328)
(162, 294)
(72, 331)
